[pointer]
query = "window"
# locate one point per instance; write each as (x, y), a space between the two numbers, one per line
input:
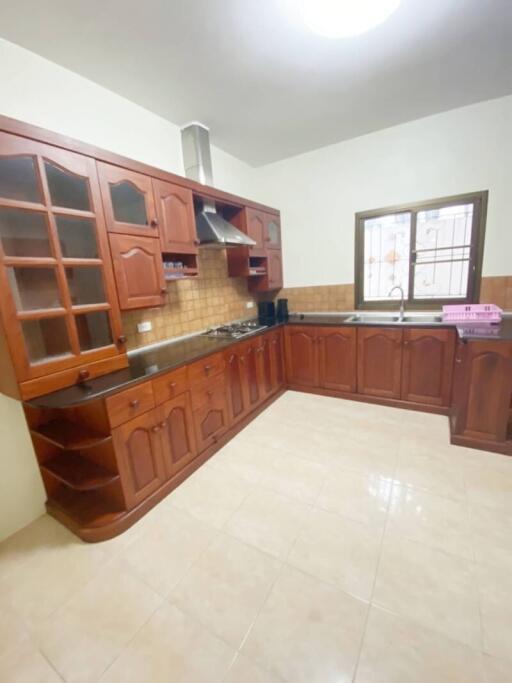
(432, 250)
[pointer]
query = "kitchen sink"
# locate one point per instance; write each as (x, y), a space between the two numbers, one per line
(393, 319)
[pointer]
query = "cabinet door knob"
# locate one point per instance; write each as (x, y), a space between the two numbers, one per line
(121, 339)
(156, 428)
(163, 290)
(154, 223)
(209, 394)
(162, 425)
(196, 242)
(134, 403)
(173, 385)
(406, 343)
(458, 360)
(207, 368)
(83, 374)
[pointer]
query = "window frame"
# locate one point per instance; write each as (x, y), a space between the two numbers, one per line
(479, 201)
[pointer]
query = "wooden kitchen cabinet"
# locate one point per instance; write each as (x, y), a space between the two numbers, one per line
(255, 229)
(274, 270)
(337, 358)
(138, 271)
(301, 350)
(237, 384)
(272, 231)
(128, 201)
(211, 418)
(177, 433)
(138, 449)
(58, 303)
(483, 393)
(277, 359)
(253, 372)
(176, 219)
(379, 361)
(427, 366)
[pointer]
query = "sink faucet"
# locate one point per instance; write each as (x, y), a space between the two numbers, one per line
(402, 307)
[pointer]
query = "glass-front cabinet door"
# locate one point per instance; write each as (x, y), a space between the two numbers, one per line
(272, 231)
(58, 302)
(128, 201)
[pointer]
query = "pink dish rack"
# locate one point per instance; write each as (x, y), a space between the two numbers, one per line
(474, 313)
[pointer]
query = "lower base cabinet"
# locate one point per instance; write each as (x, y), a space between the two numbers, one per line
(138, 449)
(177, 434)
(427, 366)
(337, 352)
(379, 361)
(211, 417)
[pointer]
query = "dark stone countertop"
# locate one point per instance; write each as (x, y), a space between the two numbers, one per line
(151, 362)
(144, 364)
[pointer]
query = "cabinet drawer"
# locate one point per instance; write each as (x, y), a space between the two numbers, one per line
(170, 385)
(130, 403)
(208, 367)
(206, 392)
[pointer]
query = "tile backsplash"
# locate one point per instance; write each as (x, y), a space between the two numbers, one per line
(194, 304)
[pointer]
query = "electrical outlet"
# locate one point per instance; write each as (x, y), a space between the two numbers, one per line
(249, 304)
(146, 326)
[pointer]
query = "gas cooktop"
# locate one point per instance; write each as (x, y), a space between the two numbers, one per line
(235, 330)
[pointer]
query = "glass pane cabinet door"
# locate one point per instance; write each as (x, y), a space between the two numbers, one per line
(54, 260)
(273, 237)
(128, 200)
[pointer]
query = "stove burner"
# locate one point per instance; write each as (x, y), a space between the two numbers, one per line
(236, 330)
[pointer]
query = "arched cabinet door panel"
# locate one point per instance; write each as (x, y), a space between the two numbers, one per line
(427, 366)
(138, 271)
(486, 402)
(176, 220)
(275, 269)
(379, 361)
(256, 231)
(178, 437)
(138, 450)
(236, 382)
(211, 419)
(337, 358)
(301, 355)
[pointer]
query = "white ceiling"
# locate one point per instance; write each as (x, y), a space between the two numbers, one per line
(266, 85)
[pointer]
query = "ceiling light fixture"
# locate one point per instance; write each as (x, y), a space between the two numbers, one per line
(345, 18)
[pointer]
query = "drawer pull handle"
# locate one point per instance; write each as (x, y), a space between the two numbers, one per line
(173, 385)
(207, 368)
(209, 393)
(134, 403)
(83, 374)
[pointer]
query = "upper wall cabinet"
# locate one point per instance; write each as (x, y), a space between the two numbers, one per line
(128, 201)
(176, 219)
(58, 304)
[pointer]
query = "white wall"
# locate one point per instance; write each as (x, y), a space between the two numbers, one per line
(460, 151)
(39, 92)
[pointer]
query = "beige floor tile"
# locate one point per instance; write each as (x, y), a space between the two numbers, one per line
(25, 664)
(163, 554)
(268, 521)
(429, 472)
(362, 498)
(437, 521)
(430, 587)
(308, 631)
(172, 647)
(245, 462)
(210, 496)
(497, 670)
(340, 551)
(396, 650)
(495, 585)
(35, 540)
(65, 569)
(491, 531)
(13, 629)
(226, 588)
(295, 477)
(490, 486)
(244, 671)
(361, 452)
(85, 635)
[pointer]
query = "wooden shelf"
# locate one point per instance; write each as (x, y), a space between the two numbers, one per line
(77, 472)
(84, 509)
(69, 435)
(179, 273)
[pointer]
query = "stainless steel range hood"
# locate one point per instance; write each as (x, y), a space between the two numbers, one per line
(212, 229)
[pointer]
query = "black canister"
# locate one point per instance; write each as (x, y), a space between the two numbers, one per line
(282, 310)
(266, 313)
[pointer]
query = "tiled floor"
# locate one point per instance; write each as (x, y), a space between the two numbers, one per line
(330, 541)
